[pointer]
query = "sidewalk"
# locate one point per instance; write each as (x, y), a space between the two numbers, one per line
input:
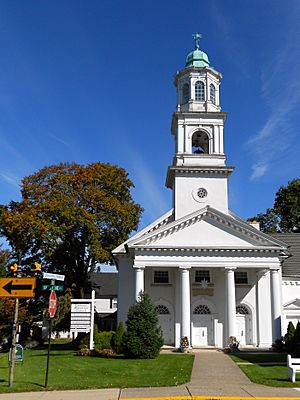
(214, 374)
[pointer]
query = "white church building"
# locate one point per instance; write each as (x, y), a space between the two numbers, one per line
(210, 274)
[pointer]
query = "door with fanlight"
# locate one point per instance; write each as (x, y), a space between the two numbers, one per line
(243, 325)
(166, 322)
(201, 326)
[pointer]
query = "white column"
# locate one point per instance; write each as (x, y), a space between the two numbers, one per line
(139, 281)
(276, 306)
(263, 309)
(230, 301)
(185, 303)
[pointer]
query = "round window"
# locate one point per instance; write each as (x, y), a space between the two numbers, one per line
(202, 193)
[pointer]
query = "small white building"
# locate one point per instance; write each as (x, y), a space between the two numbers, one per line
(210, 274)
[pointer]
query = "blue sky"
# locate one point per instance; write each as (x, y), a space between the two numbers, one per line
(90, 81)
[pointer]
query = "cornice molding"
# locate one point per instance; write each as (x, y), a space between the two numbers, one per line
(200, 171)
(208, 250)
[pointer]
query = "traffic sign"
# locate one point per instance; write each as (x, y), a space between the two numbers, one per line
(52, 304)
(57, 288)
(17, 287)
(56, 277)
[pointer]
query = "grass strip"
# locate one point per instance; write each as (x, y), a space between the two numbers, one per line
(269, 375)
(68, 371)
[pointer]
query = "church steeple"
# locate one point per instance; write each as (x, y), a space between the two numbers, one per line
(198, 127)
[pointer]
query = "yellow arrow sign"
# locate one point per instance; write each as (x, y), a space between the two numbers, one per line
(17, 287)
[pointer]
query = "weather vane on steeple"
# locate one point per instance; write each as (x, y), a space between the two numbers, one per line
(197, 37)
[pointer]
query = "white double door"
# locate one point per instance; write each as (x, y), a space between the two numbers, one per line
(243, 329)
(202, 330)
(167, 326)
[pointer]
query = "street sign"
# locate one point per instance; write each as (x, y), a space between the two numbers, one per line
(55, 277)
(17, 287)
(52, 304)
(57, 288)
(19, 353)
(81, 317)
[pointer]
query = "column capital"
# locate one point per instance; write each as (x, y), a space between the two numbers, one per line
(181, 269)
(138, 266)
(274, 269)
(262, 272)
(228, 269)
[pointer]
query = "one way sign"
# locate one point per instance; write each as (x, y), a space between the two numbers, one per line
(17, 287)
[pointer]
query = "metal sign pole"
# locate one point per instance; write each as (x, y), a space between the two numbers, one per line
(48, 355)
(51, 315)
(13, 345)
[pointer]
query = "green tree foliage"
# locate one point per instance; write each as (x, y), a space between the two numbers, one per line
(117, 339)
(268, 221)
(287, 206)
(62, 319)
(143, 338)
(289, 337)
(296, 340)
(70, 218)
(285, 214)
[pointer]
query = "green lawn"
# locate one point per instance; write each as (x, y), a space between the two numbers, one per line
(275, 375)
(68, 371)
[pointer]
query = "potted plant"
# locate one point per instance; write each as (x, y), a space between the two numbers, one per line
(233, 344)
(184, 344)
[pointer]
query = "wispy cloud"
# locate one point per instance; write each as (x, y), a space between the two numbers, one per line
(59, 140)
(11, 179)
(280, 91)
(150, 193)
(224, 26)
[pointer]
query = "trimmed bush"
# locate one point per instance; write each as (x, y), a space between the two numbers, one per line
(117, 339)
(143, 338)
(102, 340)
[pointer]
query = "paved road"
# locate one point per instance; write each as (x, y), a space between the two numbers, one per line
(214, 374)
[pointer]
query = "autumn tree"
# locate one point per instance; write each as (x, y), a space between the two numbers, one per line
(70, 218)
(285, 214)
(4, 260)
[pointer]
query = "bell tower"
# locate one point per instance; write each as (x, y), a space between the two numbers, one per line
(198, 175)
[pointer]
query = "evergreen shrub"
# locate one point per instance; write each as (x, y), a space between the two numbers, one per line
(117, 339)
(289, 338)
(143, 338)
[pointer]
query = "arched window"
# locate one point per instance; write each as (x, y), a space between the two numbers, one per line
(185, 93)
(199, 91)
(160, 309)
(200, 143)
(242, 310)
(212, 93)
(201, 309)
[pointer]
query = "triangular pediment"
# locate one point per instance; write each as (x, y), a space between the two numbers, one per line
(292, 305)
(206, 228)
(163, 220)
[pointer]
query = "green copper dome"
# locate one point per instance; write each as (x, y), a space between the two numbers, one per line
(197, 58)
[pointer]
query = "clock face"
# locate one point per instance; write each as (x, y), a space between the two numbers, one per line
(200, 195)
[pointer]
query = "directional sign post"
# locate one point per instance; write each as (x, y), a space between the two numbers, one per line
(17, 287)
(57, 288)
